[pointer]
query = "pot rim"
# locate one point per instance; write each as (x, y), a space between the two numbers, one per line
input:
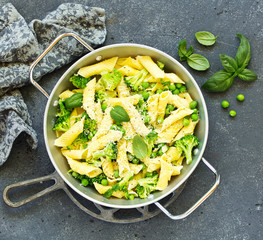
(200, 153)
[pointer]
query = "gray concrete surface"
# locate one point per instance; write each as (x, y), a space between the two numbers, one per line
(234, 145)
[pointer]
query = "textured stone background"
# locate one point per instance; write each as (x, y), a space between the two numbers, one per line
(234, 145)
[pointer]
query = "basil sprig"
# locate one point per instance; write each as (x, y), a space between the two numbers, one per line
(195, 61)
(223, 80)
(139, 147)
(118, 114)
(205, 38)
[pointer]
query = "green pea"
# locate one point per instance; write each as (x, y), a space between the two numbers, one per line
(131, 196)
(116, 173)
(166, 88)
(182, 89)
(153, 85)
(85, 182)
(135, 161)
(104, 182)
(170, 107)
(178, 85)
(194, 117)
(193, 104)
(145, 95)
(159, 91)
(159, 120)
(176, 91)
(232, 113)
(104, 106)
(225, 104)
(186, 122)
(145, 85)
(172, 87)
(240, 97)
(195, 111)
(75, 174)
(167, 111)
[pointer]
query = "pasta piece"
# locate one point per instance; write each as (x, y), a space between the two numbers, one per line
(154, 164)
(129, 135)
(179, 162)
(77, 90)
(172, 77)
(186, 96)
(105, 125)
(178, 102)
(134, 63)
(128, 71)
(175, 116)
(136, 168)
(120, 101)
(153, 107)
(107, 168)
(149, 78)
(84, 168)
(102, 142)
(69, 136)
(157, 86)
(122, 159)
(163, 100)
(151, 66)
(91, 70)
(186, 130)
(75, 154)
(169, 133)
(89, 97)
(102, 189)
(136, 119)
(98, 113)
(173, 154)
(123, 90)
(165, 175)
(66, 94)
(176, 170)
(132, 184)
(75, 114)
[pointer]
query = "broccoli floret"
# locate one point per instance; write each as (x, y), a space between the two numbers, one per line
(89, 130)
(110, 152)
(85, 180)
(150, 140)
(62, 123)
(102, 95)
(95, 162)
(111, 80)
(121, 185)
(143, 110)
(146, 185)
(79, 81)
(135, 81)
(186, 145)
(118, 128)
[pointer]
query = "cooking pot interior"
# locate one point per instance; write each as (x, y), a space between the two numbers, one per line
(123, 50)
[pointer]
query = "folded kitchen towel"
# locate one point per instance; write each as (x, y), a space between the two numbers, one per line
(21, 43)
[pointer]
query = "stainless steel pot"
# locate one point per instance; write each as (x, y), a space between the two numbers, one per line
(59, 162)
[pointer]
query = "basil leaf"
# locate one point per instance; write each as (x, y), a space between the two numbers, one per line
(74, 101)
(219, 82)
(205, 38)
(182, 50)
(118, 114)
(228, 63)
(139, 147)
(198, 62)
(243, 52)
(247, 75)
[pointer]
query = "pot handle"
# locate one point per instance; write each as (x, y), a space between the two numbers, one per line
(51, 45)
(57, 185)
(199, 202)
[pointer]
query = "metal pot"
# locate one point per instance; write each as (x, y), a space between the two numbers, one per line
(59, 162)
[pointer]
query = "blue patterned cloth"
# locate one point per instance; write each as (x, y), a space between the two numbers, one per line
(21, 43)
